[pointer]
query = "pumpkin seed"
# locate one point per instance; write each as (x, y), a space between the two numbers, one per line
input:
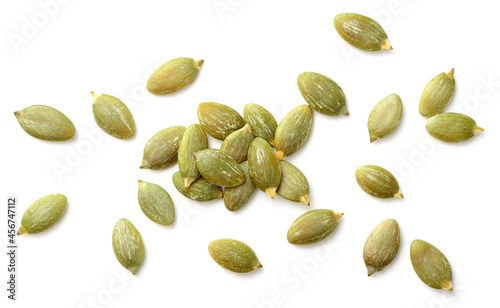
(234, 255)
(219, 120)
(219, 168)
(236, 197)
(437, 94)
(193, 140)
(113, 116)
(264, 166)
(200, 190)
(155, 203)
(161, 150)
(378, 182)
(381, 246)
(173, 75)
(313, 226)
(322, 93)
(385, 117)
(261, 121)
(293, 131)
(45, 123)
(431, 265)
(43, 213)
(127, 245)
(361, 32)
(294, 185)
(237, 144)
(452, 127)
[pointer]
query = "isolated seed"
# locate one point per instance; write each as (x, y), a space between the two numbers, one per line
(234, 255)
(193, 140)
(43, 213)
(381, 246)
(173, 75)
(313, 226)
(437, 94)
(161, 150)
(385, 117)
(361, 32)
(261, 121)
(293, 131)
(452, 127)
(237, 144)
(322, 93)
(113, 116)
(431, 265)
(45, 123)
(127, 245)
(219, 168)
(219, 120)
(156, 203)
(200, 190)
(264, 166)
(378, 182)
(237, 197)
(293, 185)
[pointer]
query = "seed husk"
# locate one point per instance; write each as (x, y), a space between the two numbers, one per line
(200, 190)
(264, 166)
(219, 120)
(437, 94)
(237, 197)
(219, 168)
(293, 131)
(237, 144)
(452, 127)
(431, 265)
(113, 116)
(294, 185)
(378, 182)
(43, 213)
(234, 255)
(161, 150)
(193, 140)
(381, 246)
(385, 117)
(127, 245)
(45, 123)
(322, 93)
(155, 203)
(361, 32)
(173, 75)
(261, 121)
(313, 226)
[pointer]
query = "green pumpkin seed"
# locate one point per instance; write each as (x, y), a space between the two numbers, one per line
(155, 203)
(200, 190)
(113, 116)
(293, 131)
(127, 245)
(385, 117)
(234, 255)
(219, 120)
(452, 127)
(313, 226)
(237, 144)
(219, 168)
(378, 182)
(381, 246)
(45, 123)
(173, 75)
(161, 150)
(43, 213)
(294, 185)
(261, 121)
(361, 32)
(236, 197)
(193, 140)
(431, 265)
(322, 93)
(264, 166)
(437, 94)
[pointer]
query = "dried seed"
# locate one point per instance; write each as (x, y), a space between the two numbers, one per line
(264, 166)
(294, 185)
(385, 117)
(236, 197)
(293, 131)
(161, 150)
(219, 168)
(113, 116)
(45, 123)
(219, 120)
(156, 203)
(127, 245)
(452, 127)
(173, 75)
(313, 226)
(381, 246)
(261, 121)
(322, 93)
(43, 213)
(361, 32)
(237, 144)
(431, 265)
(437, 94)
(234, 255)
(193, 140)
(200, 190)
(378, 182)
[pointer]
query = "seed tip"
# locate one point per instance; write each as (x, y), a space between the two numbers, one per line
(478, 129)
(199, 63)
(220, 194)
(451, 74)
(385, 44)
(17, 114)
(371, 270)
(271, 191)
(280, 155)
(373, 138)
(337, 216)
(145, 165)
(188, 181)
(22, 230)
(271, 141)
(446, 284)
(95, 96)
(398, 195)
(305, 199)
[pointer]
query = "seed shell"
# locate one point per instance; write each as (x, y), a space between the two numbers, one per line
(322, 93)
(234, 255)
(219, 120)
(43, 213)
(294, 185)
(452, 127)
(237, 197)
(113, 116)
(219, 168)
(261, 121)
(161, 150)
(361, 32)
(385, 117)
(437, 94)
(155, 203)
(381, 246)
(264, 166)
(293, 131)
(237, 144)
(200, 190)
(127, 245)
(313, 226)
(431, 265)
(45, 123)
(193, 140)
(378, 182)
(173, 75)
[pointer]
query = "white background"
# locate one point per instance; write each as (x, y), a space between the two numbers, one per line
(253, 52)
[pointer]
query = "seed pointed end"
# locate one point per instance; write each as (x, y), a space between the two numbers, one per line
(271, 191)
(337, 216)
(371, 270)
(305, 199)
(344, 111)
(199, 63)
(398, 195)
(280, 155)
(188, 181)
(373, 138)
(451, 74)
(220, 194)
(446, 284)
(22, 230)
(385, 45)
(257, 265)
(478, 129)
(271, 141)
(17, 114)
(133, 270)
(95, 96)
(145, 165)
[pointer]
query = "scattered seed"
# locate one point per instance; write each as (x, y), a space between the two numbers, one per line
(161, 150)
(431, 265)
(313, 226)
(43, 213)
(219, 120)
(361, 32)
(234, 255)
(173, 75)
(193, 140)
(127, 245)
(378, 182)
(155, 203)
(219, 168)
(322, 93)
(261, 121)
(437, 94)
(237, 144)
(293, 131)
(264, 166)
(381, 246)
(294, 185)
(385, 117)
(45, 123)
(452, 127)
